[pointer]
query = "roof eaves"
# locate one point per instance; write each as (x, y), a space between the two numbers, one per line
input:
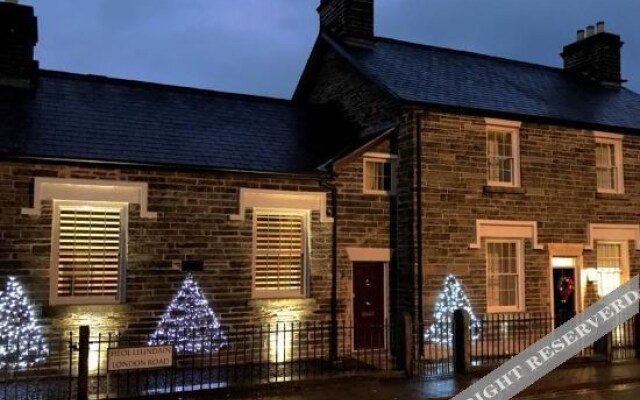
(524, 117)
(311, 174)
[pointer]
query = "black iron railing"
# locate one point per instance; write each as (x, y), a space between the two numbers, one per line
(38, 368)
(253, 355)
(496, 338)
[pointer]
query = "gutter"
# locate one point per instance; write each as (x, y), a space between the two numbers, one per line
(420, 278)
(311, 175)
(326, 182)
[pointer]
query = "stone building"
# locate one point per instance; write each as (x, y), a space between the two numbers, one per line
(393, 165)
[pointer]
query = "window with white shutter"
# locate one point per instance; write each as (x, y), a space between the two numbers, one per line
(280, 253)
(88, 252)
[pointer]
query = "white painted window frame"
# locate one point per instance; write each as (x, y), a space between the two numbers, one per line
(55, 242)
(624, 251)
(615, 140)
(520, 266)
(306, 232)
(505, 126)
(381, 158)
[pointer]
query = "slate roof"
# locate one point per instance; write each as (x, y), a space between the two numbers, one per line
(83, 117)
(445, 77)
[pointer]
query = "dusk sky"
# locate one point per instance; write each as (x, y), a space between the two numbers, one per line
(260, 46)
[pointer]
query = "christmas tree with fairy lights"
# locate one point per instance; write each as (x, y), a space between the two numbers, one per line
(189, 323)
(450, 299)
(21, 342)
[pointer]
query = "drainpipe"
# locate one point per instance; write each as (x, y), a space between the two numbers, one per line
(333, 333)
(420, 284)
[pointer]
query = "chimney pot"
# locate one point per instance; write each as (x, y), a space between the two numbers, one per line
(590, 30)
(600, 27)
(580, 35)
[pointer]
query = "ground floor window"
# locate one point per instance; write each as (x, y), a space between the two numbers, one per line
(611, 261)
(280, 253)
(504, 275)
(88, 252)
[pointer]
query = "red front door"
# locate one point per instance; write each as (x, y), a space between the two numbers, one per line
(368, 305)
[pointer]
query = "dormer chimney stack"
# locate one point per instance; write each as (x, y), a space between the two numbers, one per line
(348, 20)
(18, 38)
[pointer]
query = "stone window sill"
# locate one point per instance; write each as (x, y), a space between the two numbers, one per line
(611, 196)
(279, 301)
(504, 189)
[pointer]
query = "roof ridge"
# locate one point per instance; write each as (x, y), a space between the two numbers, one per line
(470, 53)
(165, 86)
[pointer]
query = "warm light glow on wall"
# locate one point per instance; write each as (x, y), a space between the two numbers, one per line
(283, 332)
(97, 353)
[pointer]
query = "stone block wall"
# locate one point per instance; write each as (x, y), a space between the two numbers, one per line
(558, 180)
(192, 222)
(364, 221)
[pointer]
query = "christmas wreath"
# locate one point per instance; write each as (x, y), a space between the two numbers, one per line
(565, 286)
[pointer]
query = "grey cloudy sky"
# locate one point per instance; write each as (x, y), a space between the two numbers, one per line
(260, 46)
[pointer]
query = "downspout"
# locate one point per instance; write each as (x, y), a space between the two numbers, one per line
(333, 332)
(420, 283)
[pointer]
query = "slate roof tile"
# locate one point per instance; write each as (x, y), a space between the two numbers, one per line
(96, 118)
(453, 78)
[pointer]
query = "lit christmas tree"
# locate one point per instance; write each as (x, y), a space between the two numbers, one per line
(21, 342)
(189, 323)
(450, 299)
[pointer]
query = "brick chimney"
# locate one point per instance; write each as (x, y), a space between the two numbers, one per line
(18, 37)
(595, 55)
(348, 20)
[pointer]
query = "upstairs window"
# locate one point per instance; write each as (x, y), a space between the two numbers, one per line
(280, 253)
(504, 275)
(379, 173)
(88, 252)
(609, 163)
(503, 155)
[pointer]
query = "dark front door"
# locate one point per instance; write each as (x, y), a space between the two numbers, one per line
(564, 294)
(368, 305)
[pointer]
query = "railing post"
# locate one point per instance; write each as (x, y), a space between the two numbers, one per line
(602, 348)
(461, 344)
(408, 345)
(83, 363)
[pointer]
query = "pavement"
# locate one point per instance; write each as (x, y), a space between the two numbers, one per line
(567, 380)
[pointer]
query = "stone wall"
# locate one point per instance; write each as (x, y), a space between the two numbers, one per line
(364, 220)
(335, 81)
(192, 222)
(558, 177)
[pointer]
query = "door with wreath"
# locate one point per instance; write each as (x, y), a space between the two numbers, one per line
(564, 295)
